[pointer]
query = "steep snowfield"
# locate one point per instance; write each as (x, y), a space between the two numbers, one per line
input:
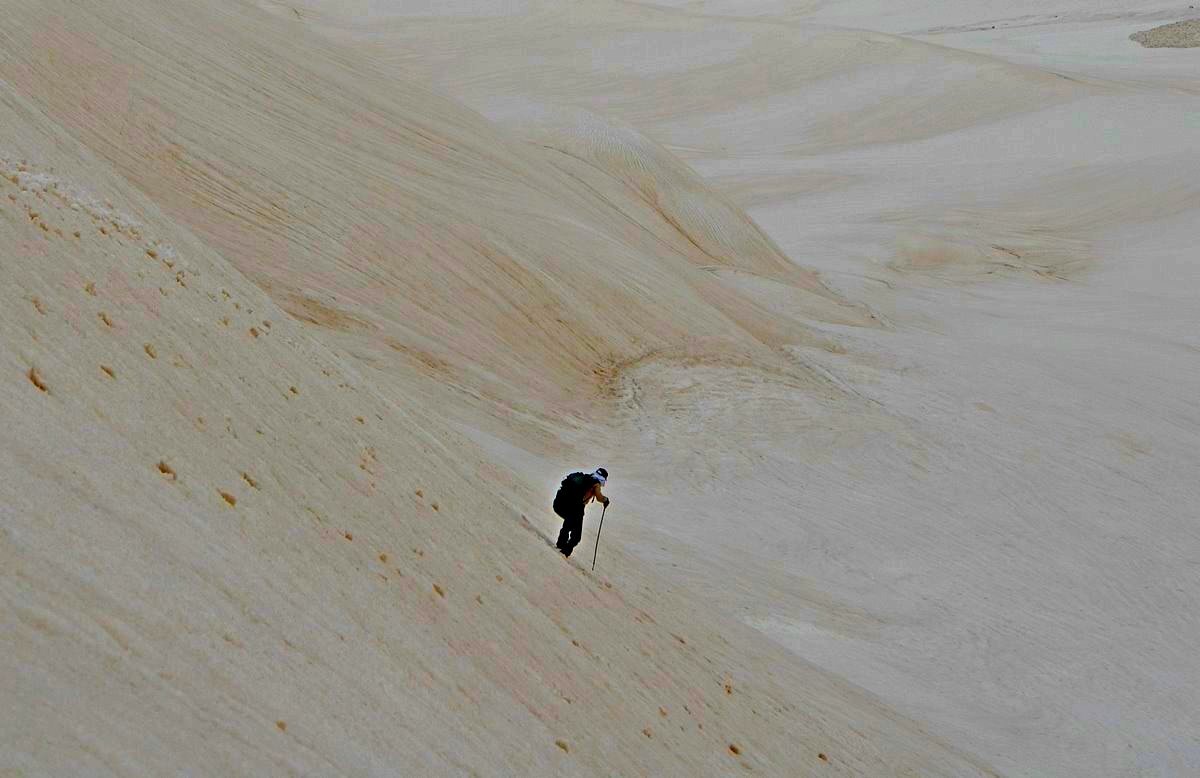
(245, 279)
(978, 502)
(885, 322)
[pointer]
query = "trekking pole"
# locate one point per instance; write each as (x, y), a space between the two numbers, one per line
(598, 531)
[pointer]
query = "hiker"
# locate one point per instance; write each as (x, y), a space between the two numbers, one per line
(575, 492)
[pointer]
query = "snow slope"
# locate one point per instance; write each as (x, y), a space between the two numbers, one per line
(251, 290)
(884, 322)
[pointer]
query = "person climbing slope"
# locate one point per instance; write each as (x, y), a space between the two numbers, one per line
(575, 492)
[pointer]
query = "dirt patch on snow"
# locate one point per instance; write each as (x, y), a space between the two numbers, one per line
(1178, 35)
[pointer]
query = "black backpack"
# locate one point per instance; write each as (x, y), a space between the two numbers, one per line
(573, 488)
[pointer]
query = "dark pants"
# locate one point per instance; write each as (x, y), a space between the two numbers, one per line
(572, 528)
